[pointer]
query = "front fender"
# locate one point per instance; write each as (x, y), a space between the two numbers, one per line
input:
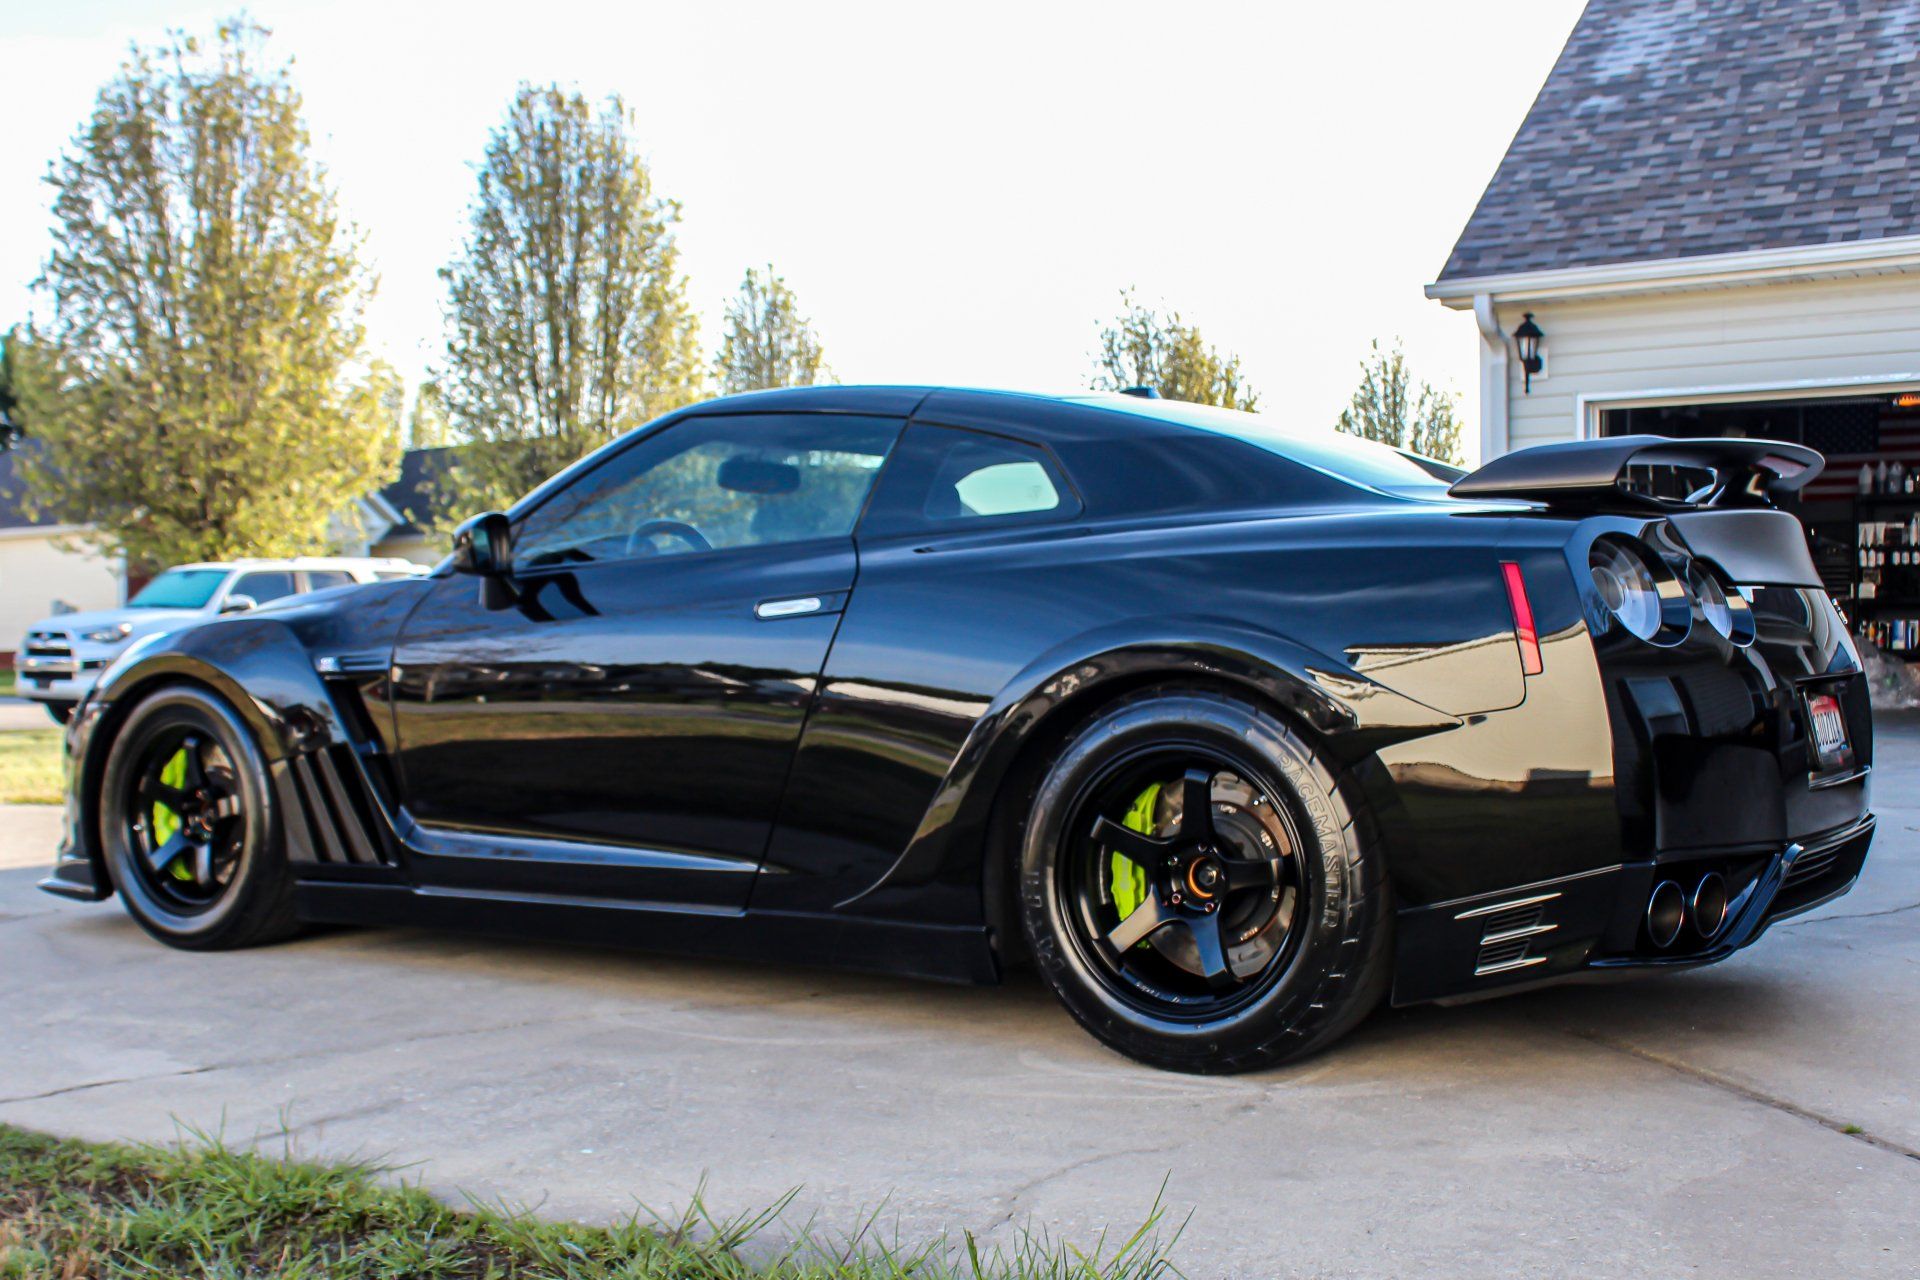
(258, 664)
(1354, 715)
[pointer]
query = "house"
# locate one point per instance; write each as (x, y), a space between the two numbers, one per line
(49, 567)
(46, 565)
(1709, 224)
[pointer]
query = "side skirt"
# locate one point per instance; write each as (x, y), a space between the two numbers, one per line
(946, 953)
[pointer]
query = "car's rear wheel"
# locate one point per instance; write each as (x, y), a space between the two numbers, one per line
(187, 824)
(1197, 888)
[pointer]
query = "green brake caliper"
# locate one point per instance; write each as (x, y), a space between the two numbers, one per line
(165, 820)
(1129, 879)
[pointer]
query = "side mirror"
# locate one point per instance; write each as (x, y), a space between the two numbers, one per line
(238, 604)
(483, 545)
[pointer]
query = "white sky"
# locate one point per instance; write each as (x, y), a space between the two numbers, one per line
(957, 194)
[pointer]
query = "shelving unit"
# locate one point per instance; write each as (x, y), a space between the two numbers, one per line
(1897, 587)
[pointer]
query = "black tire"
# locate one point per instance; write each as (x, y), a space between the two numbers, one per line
(60, 711)
(247, 896)
(1263, 1000)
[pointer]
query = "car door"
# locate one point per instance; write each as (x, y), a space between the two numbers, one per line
(625, 726)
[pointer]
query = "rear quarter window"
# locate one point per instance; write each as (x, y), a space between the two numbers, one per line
(947, 478)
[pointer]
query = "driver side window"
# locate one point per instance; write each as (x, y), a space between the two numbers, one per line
(711, 484)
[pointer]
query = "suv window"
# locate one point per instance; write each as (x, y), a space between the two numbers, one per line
(321, 579)
(179, 589)
(712, 484)
(263, 585)
(950, 478)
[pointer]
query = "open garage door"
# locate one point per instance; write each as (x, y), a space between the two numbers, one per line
(1862, 514)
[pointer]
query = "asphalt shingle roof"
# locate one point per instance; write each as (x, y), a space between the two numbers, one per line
(1675, 128)
(13, 512)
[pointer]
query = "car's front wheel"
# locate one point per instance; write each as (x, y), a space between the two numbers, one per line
(1197, 888)
(60, 711)
(187, 824)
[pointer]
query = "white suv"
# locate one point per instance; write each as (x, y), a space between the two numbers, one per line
(62, 656)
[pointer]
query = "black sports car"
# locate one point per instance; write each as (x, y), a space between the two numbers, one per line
(1230, 730)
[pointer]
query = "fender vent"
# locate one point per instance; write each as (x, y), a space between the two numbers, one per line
(1507, 932)
(329, 811)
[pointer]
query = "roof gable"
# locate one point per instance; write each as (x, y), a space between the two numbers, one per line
(1682, 128)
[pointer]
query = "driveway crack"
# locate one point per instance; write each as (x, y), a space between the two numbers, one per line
(102, 1084)
(278, 1059)
(1026, 1188)
(1856, 915)
(1729, 1085)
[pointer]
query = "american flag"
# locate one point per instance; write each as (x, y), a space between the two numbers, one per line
(1853, 435)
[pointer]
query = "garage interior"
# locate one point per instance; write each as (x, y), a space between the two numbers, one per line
(1862, 513)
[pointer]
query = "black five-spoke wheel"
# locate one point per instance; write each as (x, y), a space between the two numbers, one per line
(1200, 877)
(184, 820)
(187, 825)
(1197, 888)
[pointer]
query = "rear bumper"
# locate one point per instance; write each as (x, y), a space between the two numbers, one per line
(1593, 923)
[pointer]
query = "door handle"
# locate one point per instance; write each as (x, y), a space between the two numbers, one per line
(788, 607)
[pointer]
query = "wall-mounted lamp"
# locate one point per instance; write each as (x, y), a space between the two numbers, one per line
(1527, 337)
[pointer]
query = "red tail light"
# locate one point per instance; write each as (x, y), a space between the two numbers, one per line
(1523, 628)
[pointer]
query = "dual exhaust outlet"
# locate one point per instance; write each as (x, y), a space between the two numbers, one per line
(1672, 910)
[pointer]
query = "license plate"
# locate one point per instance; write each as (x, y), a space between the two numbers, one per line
(1829, 732)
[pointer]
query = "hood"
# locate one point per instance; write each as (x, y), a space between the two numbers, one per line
(145, 621)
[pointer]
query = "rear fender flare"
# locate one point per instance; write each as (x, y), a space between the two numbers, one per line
(1352, 714)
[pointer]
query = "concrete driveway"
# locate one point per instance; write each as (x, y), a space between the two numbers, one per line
(1695, 1124)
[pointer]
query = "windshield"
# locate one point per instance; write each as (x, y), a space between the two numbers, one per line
(1366, 462)
(179, 589)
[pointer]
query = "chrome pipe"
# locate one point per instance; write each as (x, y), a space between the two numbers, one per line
(1666, 913)
(1708, 908)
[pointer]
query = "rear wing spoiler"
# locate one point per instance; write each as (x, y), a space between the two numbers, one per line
(1592, 474)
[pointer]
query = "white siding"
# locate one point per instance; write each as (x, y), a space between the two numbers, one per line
(36, 571)
(1713, 345)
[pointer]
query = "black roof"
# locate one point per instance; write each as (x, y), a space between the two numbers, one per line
(411, 492)
(1676, 128)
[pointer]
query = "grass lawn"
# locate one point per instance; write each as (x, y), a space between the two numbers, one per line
(6, 684)
(70, 1209)
(30, 767)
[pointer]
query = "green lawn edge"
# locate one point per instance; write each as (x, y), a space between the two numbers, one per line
(31, 766)
(204, 1208)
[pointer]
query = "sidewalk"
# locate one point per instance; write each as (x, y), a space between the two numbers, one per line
(19, 713)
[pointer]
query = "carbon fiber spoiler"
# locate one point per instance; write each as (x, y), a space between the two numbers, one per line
(1592, 474)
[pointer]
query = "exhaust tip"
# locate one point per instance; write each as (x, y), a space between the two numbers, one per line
(1709, 912)
(1666, 913)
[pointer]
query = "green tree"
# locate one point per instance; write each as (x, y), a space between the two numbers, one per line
(427, 426)
(568, 310)
(387, 392)
(768, 343)
(192, 392)
(1143, 348)
(1386, 407)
